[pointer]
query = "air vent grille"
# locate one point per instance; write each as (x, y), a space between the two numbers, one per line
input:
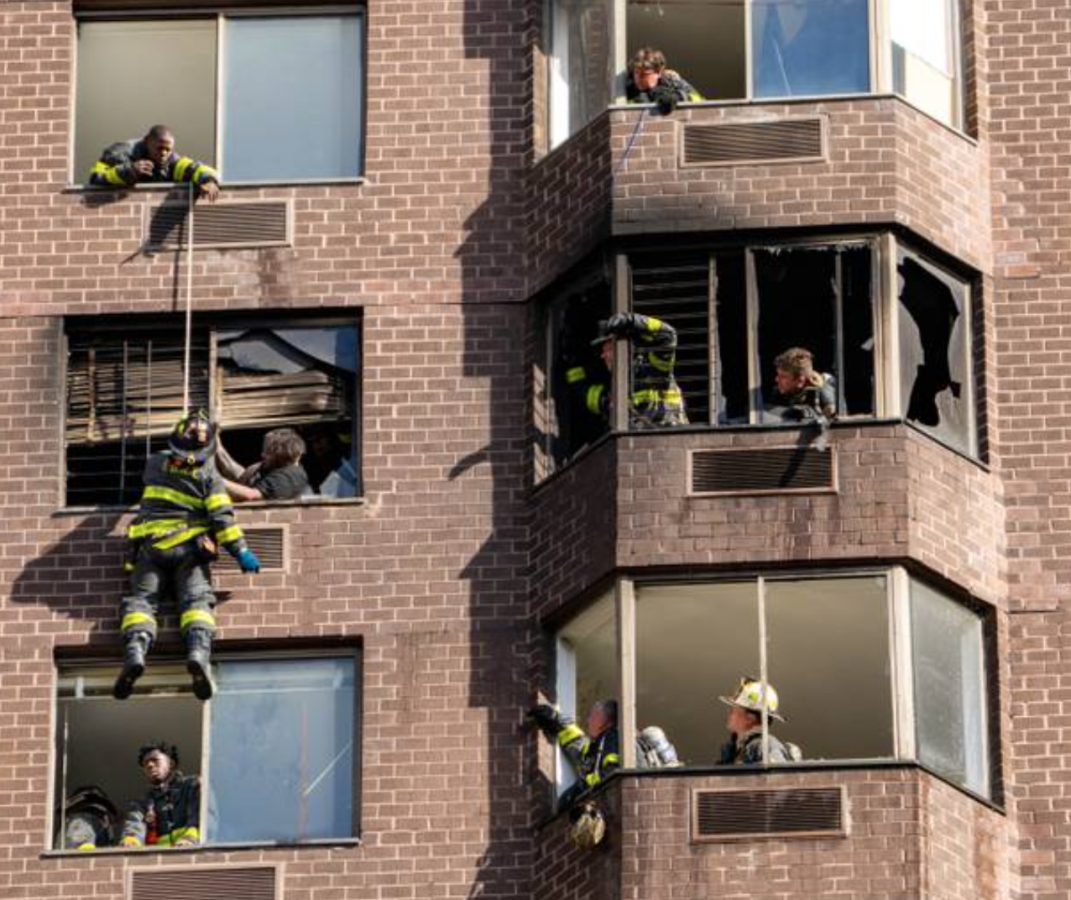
(201, 883)
(776, 470)
(800, 139)
(268, 543)
(220, 225)
(787, 813)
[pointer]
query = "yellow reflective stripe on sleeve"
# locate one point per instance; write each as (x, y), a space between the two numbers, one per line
(641, 397)
(654, 324)
(180, 538)
(611, 759)
(132, 620)
(593, 779)
(229, 535)
(154, 492)
(575, 375)
(569, 734)
(672, 398)
(663, 364)
(594, 398)
(203, 172)
(110, 173)
(193, 616)
(218, 501)
(181, 166)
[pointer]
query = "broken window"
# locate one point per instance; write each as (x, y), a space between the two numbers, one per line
(935, 365)
(705, 42)
(924, 37)
(807, 48)
(275, 746)
(571, 379)
(579, 41)
(125, 387)
(234, 85)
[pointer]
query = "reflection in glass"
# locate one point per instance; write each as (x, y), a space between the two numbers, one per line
(282, 750)
(923, 54)
(580, 64)
(950, 695)
(806, 48)
(292, 98)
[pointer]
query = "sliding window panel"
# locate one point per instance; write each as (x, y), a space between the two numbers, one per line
(133, 75)
(581, 68)
(924, 40)
(292, 98)
(810, 49)
(283, 749)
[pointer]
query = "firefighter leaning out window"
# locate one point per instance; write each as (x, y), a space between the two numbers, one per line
(185, 516)
(153, 159)
(657, 401)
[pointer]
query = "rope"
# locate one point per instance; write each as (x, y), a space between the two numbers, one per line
(631, 141)
(189, 306)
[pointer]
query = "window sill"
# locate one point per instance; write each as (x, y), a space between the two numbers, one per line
(342, 843)
(252, 504)
(226, 187)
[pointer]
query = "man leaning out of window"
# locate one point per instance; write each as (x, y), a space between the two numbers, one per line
(153, 159)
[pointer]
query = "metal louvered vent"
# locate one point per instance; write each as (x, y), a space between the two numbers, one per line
(202, 883)
(268, 543)
(675, 287)
(220, 225)
(775, 470)
(740, 815)
(797, 139)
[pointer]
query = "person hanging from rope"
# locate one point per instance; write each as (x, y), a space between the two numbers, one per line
(185, 516)
(153, 159)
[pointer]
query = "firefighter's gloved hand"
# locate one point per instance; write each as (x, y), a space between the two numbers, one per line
(546, 717)
(248, 561)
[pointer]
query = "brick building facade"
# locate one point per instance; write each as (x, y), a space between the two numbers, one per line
(476, 544)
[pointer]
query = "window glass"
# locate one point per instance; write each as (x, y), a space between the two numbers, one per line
(935, 369)
(923, 57)
(693, 643)
(828, 658)
(292, 98)
(950, 694)
(810, 47)
(731, 354)
(282, 751)
(580, 66)
(133, 75)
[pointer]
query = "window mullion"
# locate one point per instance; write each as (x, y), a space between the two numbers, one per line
(220, 49)
(838, 313)
(749, 62)
(713, 354)
(625, 598)
(206, 749)
(903, 687)
(621, 377)
(764, 678)
(890, 355)
(753, 365)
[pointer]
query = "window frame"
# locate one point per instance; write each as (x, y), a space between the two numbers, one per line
(214, 323)
(219, 14)
(898, 581)
(102, 669)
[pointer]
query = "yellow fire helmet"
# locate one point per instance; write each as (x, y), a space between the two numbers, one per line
(751, 693)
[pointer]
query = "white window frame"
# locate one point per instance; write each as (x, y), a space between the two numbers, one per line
(221, 14)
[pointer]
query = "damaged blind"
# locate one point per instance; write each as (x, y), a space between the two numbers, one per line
(124, 394)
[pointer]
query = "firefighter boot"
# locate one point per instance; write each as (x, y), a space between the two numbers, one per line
(198, 662)
(137, 645)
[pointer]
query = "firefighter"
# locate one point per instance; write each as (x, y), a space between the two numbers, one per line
(807, 394)
(657, 401)
(89, 820)
(170, 813)
(744, 724)
(594, 755)
(153, 159)
(185, 515)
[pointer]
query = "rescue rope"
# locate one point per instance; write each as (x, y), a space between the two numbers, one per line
(632, 141)
(189, 305)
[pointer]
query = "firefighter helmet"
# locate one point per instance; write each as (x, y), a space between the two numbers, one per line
(588, 828)
(193, 439)
(751, 694)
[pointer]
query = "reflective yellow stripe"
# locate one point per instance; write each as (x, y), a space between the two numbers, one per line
(131, 620)
(569, 734)
(202, 172)
(85, 847)
(575, 375)
(181, 166)
(611, 759)
(229, 535)
(110, 173)
(593, 779)
(180, 538)
(179, 834)
(152, 492)
(192, 616)
(218, 501)
(663, 365)
(154, 529)
(131, 841)
(594, 397)
(641, 397)
(673, 399)
(654, 324)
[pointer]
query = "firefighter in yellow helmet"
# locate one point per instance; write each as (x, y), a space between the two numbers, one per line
(185, 515)
(744, 723)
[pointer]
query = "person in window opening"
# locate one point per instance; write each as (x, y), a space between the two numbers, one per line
(744, 724)
(650, 81)
(185, 515)
(170, 813)
(89, 819)
(329, 461)
(594, 755)
(803, 394)
(278, 475)
(657, 401)
(153, 159)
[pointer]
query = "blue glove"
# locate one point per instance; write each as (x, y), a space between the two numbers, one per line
(248, 561)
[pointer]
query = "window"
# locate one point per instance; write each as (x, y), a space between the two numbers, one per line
(577, 34)
(922, 35)
(124, 394)
(241, 92)
(275, 749)
(867, 666)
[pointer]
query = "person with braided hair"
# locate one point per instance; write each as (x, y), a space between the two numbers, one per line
(170, 813)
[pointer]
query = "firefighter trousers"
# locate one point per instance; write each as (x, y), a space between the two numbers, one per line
(185, 571)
